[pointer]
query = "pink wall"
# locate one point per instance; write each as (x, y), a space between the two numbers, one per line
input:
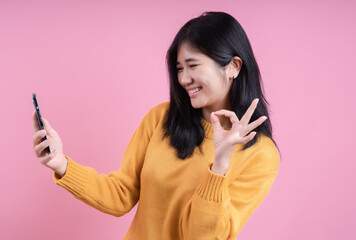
(93, 62)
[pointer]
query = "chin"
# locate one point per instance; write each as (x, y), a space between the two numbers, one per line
(196, 105)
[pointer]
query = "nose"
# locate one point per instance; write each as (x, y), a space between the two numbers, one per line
(184, 78)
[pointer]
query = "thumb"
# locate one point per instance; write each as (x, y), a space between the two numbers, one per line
(215, 122)
(46, 124)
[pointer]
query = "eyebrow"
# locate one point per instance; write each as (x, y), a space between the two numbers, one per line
(189, 60)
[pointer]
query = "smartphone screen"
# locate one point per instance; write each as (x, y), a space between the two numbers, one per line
(39, 118)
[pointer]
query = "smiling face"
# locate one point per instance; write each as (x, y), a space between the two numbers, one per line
(206, 83)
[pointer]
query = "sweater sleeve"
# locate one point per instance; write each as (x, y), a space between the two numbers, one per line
(218, 209)
(115, 193)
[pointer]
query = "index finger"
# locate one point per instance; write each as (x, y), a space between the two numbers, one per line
(230, 114)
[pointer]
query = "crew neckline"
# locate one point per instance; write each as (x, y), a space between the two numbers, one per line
(209, 131)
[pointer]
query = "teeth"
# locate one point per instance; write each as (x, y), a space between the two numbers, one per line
(194, 90)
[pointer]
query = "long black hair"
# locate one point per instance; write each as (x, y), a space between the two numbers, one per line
(219, 36)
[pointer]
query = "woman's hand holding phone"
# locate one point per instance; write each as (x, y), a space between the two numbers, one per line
(54, 160)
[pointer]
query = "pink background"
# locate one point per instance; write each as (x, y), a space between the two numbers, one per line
(97, 68)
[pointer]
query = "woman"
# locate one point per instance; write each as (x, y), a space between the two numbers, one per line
(194, 163)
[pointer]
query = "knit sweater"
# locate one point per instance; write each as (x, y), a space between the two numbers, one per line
(177, 199)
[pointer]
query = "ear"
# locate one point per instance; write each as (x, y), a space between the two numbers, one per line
(235, 67)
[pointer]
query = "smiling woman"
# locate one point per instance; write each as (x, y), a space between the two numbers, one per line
(212, 52)
(196, 165)
(207, 85)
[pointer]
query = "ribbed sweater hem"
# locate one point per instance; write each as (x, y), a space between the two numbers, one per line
(75, 178)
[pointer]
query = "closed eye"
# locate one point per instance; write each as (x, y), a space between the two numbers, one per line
(191, 66)
(178, 69)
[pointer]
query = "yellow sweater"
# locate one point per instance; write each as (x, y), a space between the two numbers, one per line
(178, 199)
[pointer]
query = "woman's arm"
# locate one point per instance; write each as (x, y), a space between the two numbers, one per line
(219, 208)
(115, 193)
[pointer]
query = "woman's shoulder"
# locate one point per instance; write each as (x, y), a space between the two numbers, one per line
(264, 154)
(157, 113)
(161, 107)
(266, 143)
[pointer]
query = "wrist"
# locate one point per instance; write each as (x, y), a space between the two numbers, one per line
(63, 168)
(223, 153)
(220, 168)
(221, 163)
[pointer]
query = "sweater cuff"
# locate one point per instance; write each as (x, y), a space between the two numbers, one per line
(212, 186)
(75, 178)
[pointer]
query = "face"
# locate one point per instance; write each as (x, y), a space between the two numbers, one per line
(206, 83)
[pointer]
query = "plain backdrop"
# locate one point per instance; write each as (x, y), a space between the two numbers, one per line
(97, 67)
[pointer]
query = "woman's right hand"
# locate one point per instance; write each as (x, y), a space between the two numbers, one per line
(54, 160)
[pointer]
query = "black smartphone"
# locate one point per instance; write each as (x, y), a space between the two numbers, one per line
(39, 118)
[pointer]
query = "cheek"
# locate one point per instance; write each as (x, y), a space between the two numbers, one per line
(203, 77)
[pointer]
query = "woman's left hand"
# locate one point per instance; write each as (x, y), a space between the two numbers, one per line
(226, 140)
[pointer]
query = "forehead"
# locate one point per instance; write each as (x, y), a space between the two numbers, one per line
(188, 54)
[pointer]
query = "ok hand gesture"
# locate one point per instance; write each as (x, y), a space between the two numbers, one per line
(226, 140)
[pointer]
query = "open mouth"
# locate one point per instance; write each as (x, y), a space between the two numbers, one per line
(194, 91)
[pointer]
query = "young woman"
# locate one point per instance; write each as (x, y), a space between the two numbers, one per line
(200, 164)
